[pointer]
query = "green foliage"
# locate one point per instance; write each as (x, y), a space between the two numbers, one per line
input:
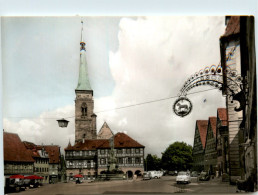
(152, 162)
(178, 156)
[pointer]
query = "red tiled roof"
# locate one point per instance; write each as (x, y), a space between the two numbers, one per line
(233, 26)
(87, 145)
(29, 145)
(202, 127)
(31, 148)
(213, 124)
(223, 116)
(121, 140)
(15, 150)
(53, 152)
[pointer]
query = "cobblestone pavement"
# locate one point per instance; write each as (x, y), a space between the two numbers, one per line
(165, 185)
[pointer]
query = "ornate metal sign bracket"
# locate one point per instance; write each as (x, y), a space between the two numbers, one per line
(213, 77)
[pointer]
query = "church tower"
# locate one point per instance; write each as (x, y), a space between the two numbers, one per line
(85, 119)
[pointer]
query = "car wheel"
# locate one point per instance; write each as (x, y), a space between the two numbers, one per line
(156, 177)
(177, 182)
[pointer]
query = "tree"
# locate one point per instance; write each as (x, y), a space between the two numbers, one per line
(178, 156)
(152, 162)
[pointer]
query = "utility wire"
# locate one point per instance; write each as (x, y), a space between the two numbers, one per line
(128, 106)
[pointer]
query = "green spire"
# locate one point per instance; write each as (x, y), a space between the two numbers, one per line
(83, 82)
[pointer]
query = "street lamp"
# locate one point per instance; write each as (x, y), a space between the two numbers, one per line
(62, 122)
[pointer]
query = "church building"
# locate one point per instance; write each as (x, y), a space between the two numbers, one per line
(91, 151)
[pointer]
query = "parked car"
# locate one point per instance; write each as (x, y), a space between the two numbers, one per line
(204, 176)
(154, 174)
(146, 175)
(183, 177)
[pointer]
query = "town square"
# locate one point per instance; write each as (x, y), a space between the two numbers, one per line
(129, 105)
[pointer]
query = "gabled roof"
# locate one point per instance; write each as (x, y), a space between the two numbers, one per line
(213, 124)
(121, 140)
(91, 144)
(233, 26)
(202, 127)
(53, 152)
(15, 150)
(105, 132)
(222, 116)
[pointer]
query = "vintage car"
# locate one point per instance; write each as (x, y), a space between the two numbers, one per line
(146, 175)
(183, 177)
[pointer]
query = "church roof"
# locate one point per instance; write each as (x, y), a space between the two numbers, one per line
(15, 150)
(202, 127)
(105, 132)
(121, 140)
(83, 82)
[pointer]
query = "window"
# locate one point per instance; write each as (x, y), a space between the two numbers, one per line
(102, 151)
(137, 150)
(88, 164)
(102, 161)
(129, 160)
(128, 151)
(137, 160)
(119, 151)
(84, 109)
(120, 160)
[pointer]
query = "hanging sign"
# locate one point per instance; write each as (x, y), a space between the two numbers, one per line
(182, 106)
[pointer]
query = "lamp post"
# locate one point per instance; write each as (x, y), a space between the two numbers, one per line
(62, 122)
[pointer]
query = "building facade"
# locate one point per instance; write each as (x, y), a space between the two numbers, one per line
(17, 159)
(54, 155)
(222, 141)
(230, 46)
(238, 41)
(41, 161)
(210, 154)
(199, 144)
(90, 158)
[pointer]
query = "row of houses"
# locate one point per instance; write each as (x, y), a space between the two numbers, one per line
(229, 145)
(26, 158)
(210, 148)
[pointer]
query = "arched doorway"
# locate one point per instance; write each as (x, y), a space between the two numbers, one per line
(129, 174)
(138, 173)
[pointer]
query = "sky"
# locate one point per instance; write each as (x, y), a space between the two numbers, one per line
(131, 60)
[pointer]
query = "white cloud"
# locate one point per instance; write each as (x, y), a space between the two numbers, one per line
(155, 57)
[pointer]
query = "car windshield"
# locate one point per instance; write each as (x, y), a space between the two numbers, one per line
(182, 173)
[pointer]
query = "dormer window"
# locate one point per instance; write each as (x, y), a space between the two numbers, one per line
(84, 109)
